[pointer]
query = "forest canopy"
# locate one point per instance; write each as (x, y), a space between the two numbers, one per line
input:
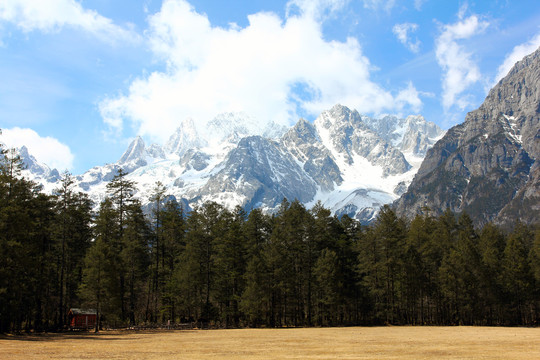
(231, 268)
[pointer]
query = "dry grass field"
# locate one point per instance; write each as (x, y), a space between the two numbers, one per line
(325, 343)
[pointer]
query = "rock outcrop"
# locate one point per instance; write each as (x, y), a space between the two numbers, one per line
(487, 166)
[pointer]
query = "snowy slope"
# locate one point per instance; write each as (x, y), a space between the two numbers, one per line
(373, 171)
(353, 164)
(40, 173)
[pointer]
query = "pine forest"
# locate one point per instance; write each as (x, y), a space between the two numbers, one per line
(213, 267)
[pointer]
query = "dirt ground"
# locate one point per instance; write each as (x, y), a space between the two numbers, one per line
(312, 343)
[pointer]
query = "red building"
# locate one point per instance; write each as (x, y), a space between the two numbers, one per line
(82, 318)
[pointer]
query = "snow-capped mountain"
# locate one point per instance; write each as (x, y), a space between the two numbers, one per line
(372, 171)
(351, 163)
(38, 172)
(184, 138)
(411, 135)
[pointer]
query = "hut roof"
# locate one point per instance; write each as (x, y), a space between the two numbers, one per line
(77, 311)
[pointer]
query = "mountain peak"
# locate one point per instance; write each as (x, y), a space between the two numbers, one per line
(526, 62)
(337, 159)
(338, 114)
(343, 113)
(300, 136)
(413, 135)
(305, 127)
(338, 108)
(184, 138)
(231, 126)
(38, 172)
(134, 152)
(23, 152)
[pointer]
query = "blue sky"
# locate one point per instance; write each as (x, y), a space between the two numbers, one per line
(80, 79)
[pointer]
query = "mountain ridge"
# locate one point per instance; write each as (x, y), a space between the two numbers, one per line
(488, 165)
(338, 159)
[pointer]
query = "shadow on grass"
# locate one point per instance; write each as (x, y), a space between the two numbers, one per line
(115, 335)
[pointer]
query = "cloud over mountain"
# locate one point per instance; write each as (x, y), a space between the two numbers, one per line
(460, 71)
(46, 149)
(273, 69)
(517, 54)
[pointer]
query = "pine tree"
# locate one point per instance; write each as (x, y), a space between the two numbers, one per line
(173, 243)
(38, 255)
(329, 284)
(534, 261)
(443, 239)
(329, 234)
(255, 302)
(196, 274)
(257, 230)
(96, 285)
(290, 259)
(106, 231)
(460, 272)
(417, 274)
(390, 232)
(72, 234)
(256, 299)
(25, 249)
(369, 268)
(491, 248)
(135, 258)
(230, 259)
(355, 294)
(157, 248)
(517, 277)
(121, 192)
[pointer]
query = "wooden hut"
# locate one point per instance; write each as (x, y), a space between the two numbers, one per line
(82, 318)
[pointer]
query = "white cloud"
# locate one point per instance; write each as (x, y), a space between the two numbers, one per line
(46, 150)
(409, 97)
(402, 32)
(460, 70)
(51, 15)
(257, 69)
(518, 53)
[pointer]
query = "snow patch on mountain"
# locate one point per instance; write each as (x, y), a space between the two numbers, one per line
(353, 164)
(511, 128)
(183, 139)
(38, 172)
(412, 135)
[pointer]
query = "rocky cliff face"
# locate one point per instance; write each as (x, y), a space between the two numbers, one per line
(488, 166)
(41, 173)
(347, 135)
(259, 174)
(412, 135)
(343, 159)
(304, 143)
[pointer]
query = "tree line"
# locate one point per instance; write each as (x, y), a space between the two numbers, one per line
(229, 268)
